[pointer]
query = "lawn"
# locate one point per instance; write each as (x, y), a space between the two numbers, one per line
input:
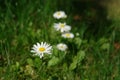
(58, 40)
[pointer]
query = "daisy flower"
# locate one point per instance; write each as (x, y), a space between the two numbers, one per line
(59, 14)
(68, 35)
(62, 27)
(41, 48)
(62, 46)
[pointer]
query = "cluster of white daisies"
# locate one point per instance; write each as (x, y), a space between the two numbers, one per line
(44, 48)
(62, 27)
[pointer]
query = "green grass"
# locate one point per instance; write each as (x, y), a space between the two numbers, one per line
(90, 56)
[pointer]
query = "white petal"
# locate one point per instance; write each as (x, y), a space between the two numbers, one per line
(38, 45)
(32, 51)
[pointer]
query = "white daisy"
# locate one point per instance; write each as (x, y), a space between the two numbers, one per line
(62, 27)
(40, 48)
(59, 14)
(68, 35)
(62, 46)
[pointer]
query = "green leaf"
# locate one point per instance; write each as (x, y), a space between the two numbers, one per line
(37, 62)
(55, 51)
(53, 61)
(105, 46)
(80, 56)
(77, 59)
(17, 65)
(78, 41)
(73, 66)
(30, 61)
(65, 67)
(102, 40)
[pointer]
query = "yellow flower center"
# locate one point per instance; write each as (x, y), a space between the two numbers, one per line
(42, 49)
(62, 46)
(68, 35)
(58, 13)
(62, 25)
